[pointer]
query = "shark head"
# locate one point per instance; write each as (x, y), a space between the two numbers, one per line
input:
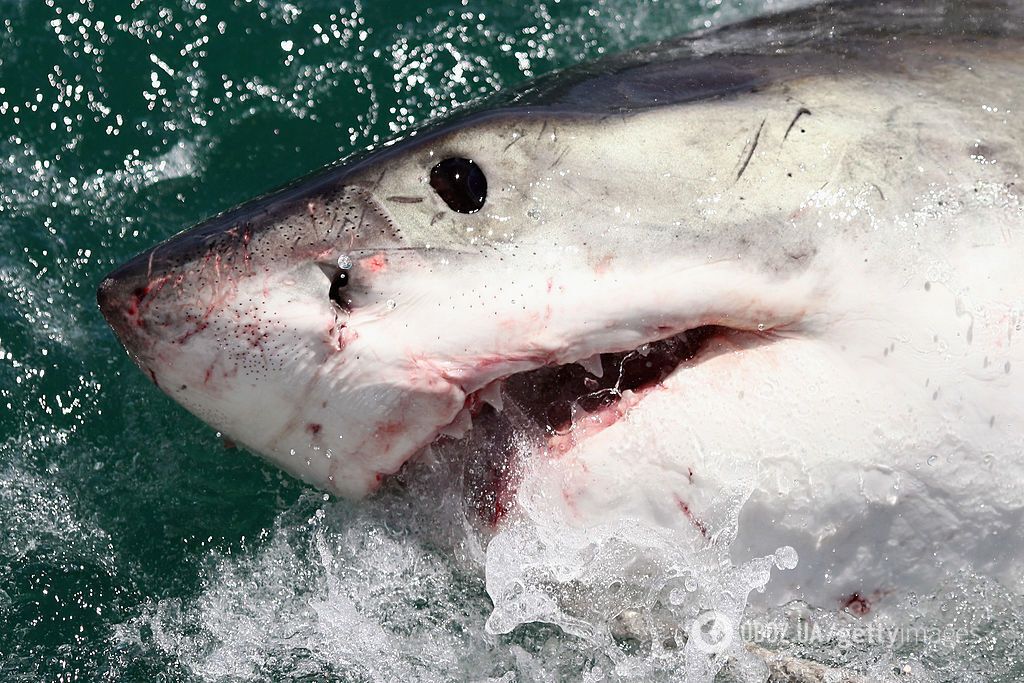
(340, 326)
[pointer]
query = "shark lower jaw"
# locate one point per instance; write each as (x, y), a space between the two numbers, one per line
(551, 411)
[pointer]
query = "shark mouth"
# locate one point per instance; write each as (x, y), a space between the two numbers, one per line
(551, 410)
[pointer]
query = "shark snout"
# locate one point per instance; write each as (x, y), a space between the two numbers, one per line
(121, 296)
(163, 293)
(108, 297)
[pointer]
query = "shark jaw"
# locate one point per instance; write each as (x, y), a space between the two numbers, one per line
(342, 393)
(550, 412)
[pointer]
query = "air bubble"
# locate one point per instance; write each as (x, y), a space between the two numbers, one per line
(391, 304)
(344, 261)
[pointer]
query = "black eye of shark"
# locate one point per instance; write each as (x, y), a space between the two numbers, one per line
(460, 183)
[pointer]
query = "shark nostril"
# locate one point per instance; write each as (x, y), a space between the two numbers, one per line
(117, 299)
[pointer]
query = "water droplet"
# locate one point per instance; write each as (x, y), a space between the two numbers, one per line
(760, 327)
(932, 459)
(786, 557)
(690, 583)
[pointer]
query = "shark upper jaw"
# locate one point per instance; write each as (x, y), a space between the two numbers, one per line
(553, 410)
(583, 351)
(570, 401)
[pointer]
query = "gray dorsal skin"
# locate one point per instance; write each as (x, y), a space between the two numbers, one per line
(740, 58)
(835, 191)
(731, 61)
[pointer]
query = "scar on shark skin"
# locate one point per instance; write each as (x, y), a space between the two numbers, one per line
(750, 153)
(799, 112)
(559, 159)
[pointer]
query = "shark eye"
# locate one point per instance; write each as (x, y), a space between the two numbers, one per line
(338, 283)
(460, 183)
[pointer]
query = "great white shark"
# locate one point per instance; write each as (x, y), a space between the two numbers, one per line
(791, 249)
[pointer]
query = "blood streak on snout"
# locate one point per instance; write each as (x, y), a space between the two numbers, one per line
(199, 327)
(244, 236)
(377, 263)
(142, 298)
(246, 256)
(219, 300)
(135, 304)
(255, 334)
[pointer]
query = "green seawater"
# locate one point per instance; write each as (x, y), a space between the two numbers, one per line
(133, 545)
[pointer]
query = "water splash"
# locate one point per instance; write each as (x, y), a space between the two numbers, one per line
(638, 595)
